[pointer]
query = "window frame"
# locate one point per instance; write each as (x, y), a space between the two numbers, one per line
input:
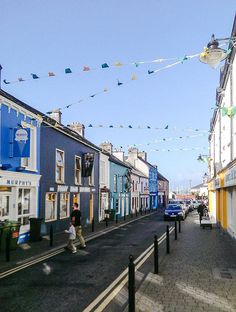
(32, 160)
(80, 174)
(63, 167)
(115, 183)
(68, 205)
(55, 205)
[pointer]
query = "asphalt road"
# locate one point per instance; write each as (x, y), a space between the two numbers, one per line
(69, 282)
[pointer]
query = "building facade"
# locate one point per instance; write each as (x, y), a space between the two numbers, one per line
(104, 185)
(19, 162)
(163, 190)
(222, 142)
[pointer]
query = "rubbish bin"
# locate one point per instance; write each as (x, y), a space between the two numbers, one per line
(112, 215)
(14, 228)
(35, 229)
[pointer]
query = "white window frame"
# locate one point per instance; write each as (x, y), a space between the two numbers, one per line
(62, 181)
(30, 163)
(55, 206)
(68, 205)
(80, 174)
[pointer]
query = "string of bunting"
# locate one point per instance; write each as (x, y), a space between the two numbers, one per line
(179, 149)
(228, 111)
(87, 68)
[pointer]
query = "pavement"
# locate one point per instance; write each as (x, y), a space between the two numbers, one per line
(199, 274)
(33, 250)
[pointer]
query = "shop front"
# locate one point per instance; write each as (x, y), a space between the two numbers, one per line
(19, 199)
(230, 185)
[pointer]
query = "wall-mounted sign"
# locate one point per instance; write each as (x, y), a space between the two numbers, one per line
(230, 177)
(62, 188)
(74, 189)
(84, 189)
(52, 189)
(21, 142)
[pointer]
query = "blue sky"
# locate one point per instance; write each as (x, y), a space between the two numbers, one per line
(41, 36)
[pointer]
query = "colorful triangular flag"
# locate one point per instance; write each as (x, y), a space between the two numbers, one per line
(133, 77)
(90, 126)
(6, 82)
(119, 83)
(150, 72)
(105, 65)
(51, 74)
(68, 71)
(166, 127)
(118, 64)
(34, 76)
(20, 79)
(86, 68)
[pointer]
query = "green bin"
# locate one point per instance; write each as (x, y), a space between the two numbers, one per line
(112, 215)
(14, 228)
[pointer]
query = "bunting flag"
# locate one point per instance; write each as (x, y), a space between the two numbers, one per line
(228, 111)
(34, 76)
(68, 71)
(179, 149)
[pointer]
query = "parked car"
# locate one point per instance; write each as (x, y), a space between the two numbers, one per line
(189, 205)
(195, 204)
(181, 203)
(174, 212)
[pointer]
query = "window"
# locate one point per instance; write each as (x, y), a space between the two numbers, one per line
(91, 178)
(64, 205)
(102, 171)
(60, 166)
(50, 206)
(23, 205)
(77, 170)
(133, 185)
(121, 184)
(30, 163)
(4, 202)
(142, 187)
(115, 183)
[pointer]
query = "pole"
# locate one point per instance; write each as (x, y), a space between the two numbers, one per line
(0, 76)
(116, 218)
(93, 225)
(131, 284)
(179, 226)
(51, 235)
(167, 239)
(175, 230)
(8, 242)
(106, 222)
(156, 254)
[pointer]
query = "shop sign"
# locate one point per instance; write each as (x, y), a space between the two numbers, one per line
(230, 177)
(84, 189)
(74, 189)
(62, 188)
(15, 182)
(21, 142)
(51, 189)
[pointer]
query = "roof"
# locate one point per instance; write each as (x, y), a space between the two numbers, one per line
(146, 162)
(49, 120)
(116, 160)
(137, 172)
(199, 186)
(161, 177)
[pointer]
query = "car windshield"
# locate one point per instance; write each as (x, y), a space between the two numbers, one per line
(173, 207)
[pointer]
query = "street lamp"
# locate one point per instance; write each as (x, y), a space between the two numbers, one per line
(213, 54)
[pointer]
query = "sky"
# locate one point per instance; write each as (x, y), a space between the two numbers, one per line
(48, 36)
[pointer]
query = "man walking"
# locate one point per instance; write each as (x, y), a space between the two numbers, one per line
(76, 221)
(201, 211)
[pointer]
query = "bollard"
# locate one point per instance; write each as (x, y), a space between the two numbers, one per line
(156, 255)
(116, 218)
(131, 284)
(141, 212)
(93, 225)
(200, 219)
(146, 211)
(136, 212)
(179, 226)
(167, 240)
(124, 217)
(175, 230)
(106, 222)
(8, 243)
(51, 235)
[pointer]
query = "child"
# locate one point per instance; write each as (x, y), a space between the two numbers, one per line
(72, 237)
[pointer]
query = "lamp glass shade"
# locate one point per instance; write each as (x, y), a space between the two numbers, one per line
(213, 56)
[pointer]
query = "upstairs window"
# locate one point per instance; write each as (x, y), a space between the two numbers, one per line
(60, 166)
(30, 163)
(115, 184)
(77, 170)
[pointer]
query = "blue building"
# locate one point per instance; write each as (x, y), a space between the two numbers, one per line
(153, 186)
(70, 173)
(19, 162)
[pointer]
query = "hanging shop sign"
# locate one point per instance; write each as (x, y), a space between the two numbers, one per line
(230, 177)
(88, 160)
(21, 142)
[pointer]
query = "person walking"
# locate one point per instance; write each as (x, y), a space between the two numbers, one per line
(201, 210)
(76, 221)
(72, 236)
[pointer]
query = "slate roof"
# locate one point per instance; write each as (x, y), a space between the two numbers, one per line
(161, 177)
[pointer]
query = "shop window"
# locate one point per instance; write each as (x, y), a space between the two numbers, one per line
(23, 205)
(60, 166)
(121, 184)
(30, 163)
(50, 206)
(77, 170)
(115, 183)
(64, 205)
(4, 205)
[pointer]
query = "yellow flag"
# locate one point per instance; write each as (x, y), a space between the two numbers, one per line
(118, 64)
(134, 77)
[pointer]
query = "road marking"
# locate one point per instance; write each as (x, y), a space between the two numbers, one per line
(61, 249)
(115, 287)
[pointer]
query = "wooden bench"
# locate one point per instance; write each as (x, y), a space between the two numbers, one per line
(206, 223)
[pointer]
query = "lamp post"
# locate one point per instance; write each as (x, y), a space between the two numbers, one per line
(213, 54)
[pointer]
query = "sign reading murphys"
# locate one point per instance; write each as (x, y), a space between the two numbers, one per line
(21, 142)
(230, 177)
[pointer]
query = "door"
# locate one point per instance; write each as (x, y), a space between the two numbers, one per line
(104, 204)
(4, 206)
(127, 205)
(23, 205)
(91, 207)
(122, 206)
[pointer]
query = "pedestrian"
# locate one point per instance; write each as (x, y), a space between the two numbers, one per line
(72, 236)
(76, 221)
(201, 209)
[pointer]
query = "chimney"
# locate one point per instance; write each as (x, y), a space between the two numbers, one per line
(77, 127)
(56, 115)
(132, 155)
(119, 155)
(107, 147)
(143, 155)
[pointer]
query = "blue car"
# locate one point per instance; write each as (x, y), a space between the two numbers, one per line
(174, 212)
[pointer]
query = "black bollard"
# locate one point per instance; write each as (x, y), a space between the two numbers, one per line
(136, 212)
(106, 222)
(93, 225)
(175, 230)
(131, 284)
(51, 235)
(8, 243)
(156, 255)
(116, 218)
(179, 226)
(141, 212)
(167, 240)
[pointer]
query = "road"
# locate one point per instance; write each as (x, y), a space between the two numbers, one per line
(70, 282)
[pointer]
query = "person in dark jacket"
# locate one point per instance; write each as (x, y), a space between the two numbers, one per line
(76, 221)
(201, 210)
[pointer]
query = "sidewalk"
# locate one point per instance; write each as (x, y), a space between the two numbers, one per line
(32, 250)
(199, 274)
